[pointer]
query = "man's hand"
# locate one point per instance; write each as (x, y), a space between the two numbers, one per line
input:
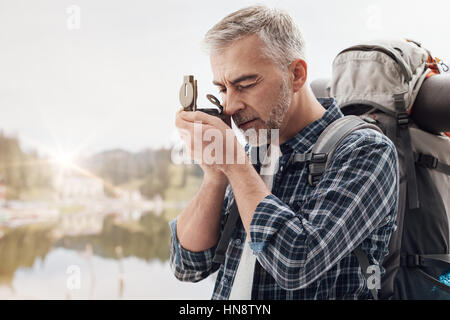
(226, 159)
(198, 225)
(210, 142)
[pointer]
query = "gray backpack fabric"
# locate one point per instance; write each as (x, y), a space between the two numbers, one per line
(387, 76)
(379, 81)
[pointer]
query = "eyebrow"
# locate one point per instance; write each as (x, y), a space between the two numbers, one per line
(239, 79)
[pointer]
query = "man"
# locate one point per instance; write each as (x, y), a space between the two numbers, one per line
(293, 241)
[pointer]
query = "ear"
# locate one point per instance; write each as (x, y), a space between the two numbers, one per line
(298, 71)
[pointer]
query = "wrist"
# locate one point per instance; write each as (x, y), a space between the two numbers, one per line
(216, 179)
(237, 170)
(246, 178)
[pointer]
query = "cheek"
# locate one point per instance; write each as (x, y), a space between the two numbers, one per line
(267, 99)
(257, 101)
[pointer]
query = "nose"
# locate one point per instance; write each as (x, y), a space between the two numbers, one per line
(232, 103)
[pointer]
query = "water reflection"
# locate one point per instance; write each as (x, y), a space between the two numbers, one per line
(148, 238)
(109, 260)
(21, 246)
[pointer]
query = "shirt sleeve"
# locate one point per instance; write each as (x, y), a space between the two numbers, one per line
(357, 193)
(193, 266)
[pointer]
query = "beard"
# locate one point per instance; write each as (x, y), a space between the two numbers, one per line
(276, 117)
(280, 109)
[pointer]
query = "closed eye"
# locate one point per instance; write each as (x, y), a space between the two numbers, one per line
(240, 87)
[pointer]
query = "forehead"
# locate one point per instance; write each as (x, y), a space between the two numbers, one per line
(242, 56)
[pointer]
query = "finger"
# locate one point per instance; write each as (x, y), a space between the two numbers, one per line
(198, 116)
(182, 123)
(192, 127)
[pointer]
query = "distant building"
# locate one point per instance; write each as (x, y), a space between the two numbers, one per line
(129, 195)
(74, 185)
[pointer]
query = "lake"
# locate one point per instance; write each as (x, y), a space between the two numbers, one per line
(125, 259)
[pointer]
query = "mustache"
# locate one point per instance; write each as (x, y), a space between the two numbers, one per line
(240, 119)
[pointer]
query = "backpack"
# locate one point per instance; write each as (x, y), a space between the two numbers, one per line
(377, 83)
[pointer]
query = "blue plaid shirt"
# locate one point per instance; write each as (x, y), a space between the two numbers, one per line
(303, 236)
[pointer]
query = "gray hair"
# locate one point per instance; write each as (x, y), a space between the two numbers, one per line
(283, 40)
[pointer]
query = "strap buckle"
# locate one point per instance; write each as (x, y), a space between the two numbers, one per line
(319, 158)
(402, 118)
(412, 260)
(316, 167)
(427, 161)
(313, 179)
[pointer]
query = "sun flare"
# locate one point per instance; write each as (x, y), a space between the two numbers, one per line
(63, 159)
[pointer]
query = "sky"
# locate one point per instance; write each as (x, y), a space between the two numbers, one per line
(93, 75)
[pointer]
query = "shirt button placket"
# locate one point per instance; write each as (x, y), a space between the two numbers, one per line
(225, 281)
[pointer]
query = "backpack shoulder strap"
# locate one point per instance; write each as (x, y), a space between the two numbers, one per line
(364, 263)
(229, 227)
(320, 157)
(327, 143)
